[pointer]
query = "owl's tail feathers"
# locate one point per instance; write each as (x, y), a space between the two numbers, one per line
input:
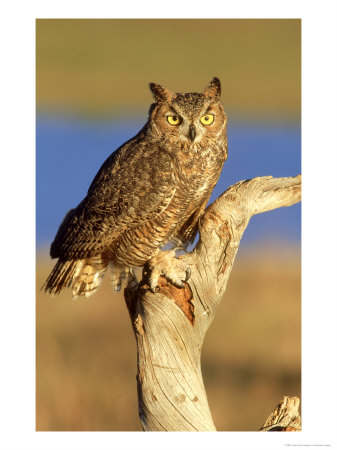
(60, 277)
(122, 276)
(83, 275)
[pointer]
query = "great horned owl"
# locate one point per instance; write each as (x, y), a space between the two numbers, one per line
(151, 190)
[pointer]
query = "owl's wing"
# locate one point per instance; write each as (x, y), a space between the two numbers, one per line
(189, 229)
(134, 184)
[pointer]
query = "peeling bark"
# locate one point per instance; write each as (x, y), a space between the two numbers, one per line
(170, 325)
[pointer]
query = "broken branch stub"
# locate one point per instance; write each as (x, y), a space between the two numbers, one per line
(285, 417)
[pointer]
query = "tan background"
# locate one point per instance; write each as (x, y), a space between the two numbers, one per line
(85, 65)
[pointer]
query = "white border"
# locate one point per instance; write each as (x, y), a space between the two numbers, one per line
(17, 339)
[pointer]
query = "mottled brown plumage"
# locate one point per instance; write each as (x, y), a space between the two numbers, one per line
(151, 190)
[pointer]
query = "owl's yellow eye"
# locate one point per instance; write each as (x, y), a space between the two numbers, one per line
(173, 120)
(207, 119)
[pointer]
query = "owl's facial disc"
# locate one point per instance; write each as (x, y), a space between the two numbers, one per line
(188, 128)
(190, 118)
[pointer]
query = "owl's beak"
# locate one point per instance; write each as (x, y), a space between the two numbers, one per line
(191, 133)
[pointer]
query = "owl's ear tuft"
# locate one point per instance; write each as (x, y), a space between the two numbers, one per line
(160, 94)
(213, 90)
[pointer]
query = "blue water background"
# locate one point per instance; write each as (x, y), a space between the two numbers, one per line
(69, 152)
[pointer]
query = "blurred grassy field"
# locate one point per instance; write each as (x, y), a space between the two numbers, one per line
(86, 352)
(103, 66)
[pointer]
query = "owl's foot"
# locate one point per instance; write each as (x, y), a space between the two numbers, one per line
(174, 269)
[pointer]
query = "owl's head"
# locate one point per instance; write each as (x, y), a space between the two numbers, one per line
(191, 117)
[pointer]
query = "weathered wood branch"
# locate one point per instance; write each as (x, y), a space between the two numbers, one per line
(285, 417)
(170, 325)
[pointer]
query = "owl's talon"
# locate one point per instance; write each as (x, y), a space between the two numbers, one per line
(173, 269)
(179, 284)
(154, 289)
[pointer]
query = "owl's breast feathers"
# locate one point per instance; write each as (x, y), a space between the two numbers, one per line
(141, 197)
(199, 172)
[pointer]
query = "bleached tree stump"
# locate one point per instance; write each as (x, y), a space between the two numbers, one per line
(170, 325)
